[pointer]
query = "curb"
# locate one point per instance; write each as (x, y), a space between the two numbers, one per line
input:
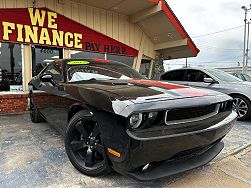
(13, 113)
(239, 150)
(235, 152)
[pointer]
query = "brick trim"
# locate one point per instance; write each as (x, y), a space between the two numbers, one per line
(13, 102)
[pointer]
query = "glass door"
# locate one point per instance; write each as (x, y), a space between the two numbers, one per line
(42, 55)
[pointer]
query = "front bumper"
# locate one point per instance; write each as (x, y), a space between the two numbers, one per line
(172, 154)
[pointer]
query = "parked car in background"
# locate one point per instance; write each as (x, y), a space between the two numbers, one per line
(112, 117)
(242, 76)
(216, 80)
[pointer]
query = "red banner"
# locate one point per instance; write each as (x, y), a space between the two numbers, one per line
(41, 26)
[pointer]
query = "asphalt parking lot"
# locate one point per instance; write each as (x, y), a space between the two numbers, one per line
(33, 155)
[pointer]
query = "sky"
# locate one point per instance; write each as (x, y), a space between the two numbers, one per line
(200, 17)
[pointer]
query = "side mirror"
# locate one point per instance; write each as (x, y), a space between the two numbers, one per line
(48, 78)
(209, 80)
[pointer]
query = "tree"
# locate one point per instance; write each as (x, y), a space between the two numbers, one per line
(158, 67)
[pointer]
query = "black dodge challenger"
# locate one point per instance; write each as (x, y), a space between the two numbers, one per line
(114, 118)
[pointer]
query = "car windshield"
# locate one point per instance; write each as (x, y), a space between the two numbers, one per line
(102, 71)
(223, 76)
(247, 77)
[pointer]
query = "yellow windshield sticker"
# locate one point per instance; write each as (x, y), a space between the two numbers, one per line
(78, 62)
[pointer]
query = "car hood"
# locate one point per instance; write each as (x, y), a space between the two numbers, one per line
(238, 83)
(126, 96)
(243, 87)
(139, 91)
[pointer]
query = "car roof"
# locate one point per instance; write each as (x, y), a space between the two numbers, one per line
(193, 68)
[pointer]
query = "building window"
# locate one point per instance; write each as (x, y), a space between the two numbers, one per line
(42, 55)
(123, 59)
(83, 54)
(10, 67)
(145, 67)
(55, 72)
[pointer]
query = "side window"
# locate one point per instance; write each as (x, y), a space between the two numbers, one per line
(196, 76)
(52, 70)
(241, 76)
(177, 75)
(247, 77)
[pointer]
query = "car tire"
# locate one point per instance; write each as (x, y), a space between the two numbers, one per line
(242, 106)
(36, 116)
(34, 112)
(84, 146)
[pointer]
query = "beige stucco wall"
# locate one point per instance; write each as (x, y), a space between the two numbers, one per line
(109, 23)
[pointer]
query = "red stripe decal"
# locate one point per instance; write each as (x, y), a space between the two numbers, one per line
(101, 60)
(193, 92)
(158, 84)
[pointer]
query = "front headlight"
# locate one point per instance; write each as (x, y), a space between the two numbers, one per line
(142, 120)
(136, 120)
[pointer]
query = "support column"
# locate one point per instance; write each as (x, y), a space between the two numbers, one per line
(137, 62)
(150, 70)
(26, 66)
(66, 53)
(134, 62)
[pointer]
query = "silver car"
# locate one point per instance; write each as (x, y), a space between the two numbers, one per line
(242, 76)
(216, 80)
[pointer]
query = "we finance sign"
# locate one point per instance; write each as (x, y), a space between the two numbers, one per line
(41, 26)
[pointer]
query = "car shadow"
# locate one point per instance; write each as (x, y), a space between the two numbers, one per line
(35, 154)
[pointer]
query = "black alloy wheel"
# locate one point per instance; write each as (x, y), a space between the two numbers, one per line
(84, 145)
(242, 106)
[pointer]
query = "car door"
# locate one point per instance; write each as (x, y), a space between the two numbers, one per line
(196, 77)
(53, 101)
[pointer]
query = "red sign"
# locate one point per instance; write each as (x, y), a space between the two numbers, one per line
(42, 26)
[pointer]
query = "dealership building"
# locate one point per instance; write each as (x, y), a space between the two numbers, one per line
(35, 32)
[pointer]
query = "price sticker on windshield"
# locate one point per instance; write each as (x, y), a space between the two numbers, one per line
(78, 62)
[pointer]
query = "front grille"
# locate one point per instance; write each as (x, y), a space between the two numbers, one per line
(193, 152)
(204, 112)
